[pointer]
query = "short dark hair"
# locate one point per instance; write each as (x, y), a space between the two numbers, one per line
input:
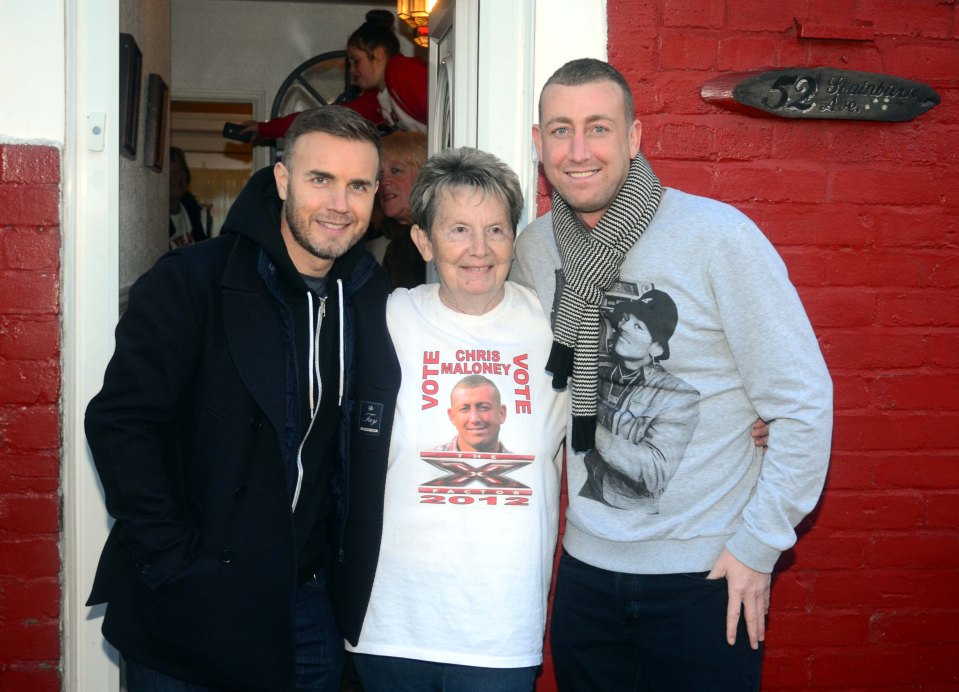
(376, 32)
(589, 71)
(333, 120)
(465, 167)
(177, 154)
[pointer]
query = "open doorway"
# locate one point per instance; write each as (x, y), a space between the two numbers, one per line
(236, 61)
(219, 167)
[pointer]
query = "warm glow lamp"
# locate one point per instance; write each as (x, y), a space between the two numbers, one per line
(416, 13)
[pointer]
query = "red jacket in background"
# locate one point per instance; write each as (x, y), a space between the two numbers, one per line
(406, 81)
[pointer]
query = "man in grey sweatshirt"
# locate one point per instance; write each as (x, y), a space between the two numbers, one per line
(676, 519)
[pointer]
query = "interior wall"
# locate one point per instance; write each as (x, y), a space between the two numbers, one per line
(224, 46)
(144, 192)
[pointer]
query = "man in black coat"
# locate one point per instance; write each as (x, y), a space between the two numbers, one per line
(242, 432)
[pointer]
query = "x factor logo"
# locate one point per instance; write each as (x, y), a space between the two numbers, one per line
(459, 474)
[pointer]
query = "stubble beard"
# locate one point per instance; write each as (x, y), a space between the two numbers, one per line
(299, 229)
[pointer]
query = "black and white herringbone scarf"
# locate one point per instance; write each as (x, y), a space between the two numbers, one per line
(591, 262)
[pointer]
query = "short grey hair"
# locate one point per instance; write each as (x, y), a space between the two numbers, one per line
(589, 71)
(464, 168)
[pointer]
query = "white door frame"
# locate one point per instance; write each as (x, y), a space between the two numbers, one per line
(90, 220)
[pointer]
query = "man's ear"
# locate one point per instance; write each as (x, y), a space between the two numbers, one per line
(422, 242)
(282, 177)
(635, 137)
(538, 141)
(655, 350)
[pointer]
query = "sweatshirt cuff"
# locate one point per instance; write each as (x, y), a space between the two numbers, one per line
(751, 552)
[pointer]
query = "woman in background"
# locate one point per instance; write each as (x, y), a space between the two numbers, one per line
(394, 86)
(404, 153)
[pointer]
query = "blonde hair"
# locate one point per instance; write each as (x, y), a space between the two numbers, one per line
(406, 147)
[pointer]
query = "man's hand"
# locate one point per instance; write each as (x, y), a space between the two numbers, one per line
(249, 127)
(749, 591)
(760, 433)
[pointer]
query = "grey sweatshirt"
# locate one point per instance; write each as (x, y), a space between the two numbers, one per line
(675, 476)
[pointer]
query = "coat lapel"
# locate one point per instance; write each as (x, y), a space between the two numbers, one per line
(255, 333)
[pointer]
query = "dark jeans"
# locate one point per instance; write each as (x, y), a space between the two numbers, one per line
(615, 632)
(319, 650)
(389, 674)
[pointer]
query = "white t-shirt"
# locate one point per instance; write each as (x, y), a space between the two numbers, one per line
(183, 229)
(468, 538)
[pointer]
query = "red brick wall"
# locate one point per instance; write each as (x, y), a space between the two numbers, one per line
(29, 418)
(866, 216)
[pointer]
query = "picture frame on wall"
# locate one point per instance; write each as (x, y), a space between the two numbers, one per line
(131, 63)
(154, 137)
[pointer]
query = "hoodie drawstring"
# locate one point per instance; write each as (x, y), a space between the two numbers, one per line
(311, 351)
(339, 287)
(316, 381)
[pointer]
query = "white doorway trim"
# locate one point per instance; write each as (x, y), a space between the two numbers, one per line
(90, 221)
(566, 30)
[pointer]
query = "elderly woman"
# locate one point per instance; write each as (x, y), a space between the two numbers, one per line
(472, 490)
(403, 154)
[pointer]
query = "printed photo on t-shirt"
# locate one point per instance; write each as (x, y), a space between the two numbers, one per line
(645, 415)
(475, 464)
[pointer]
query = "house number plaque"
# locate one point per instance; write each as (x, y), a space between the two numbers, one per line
(823, 93)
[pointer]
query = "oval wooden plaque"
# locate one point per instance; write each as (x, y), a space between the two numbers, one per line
(822, 92)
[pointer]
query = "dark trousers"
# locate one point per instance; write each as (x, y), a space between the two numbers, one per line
(319, 650)
(391, 674)
(615, 632)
